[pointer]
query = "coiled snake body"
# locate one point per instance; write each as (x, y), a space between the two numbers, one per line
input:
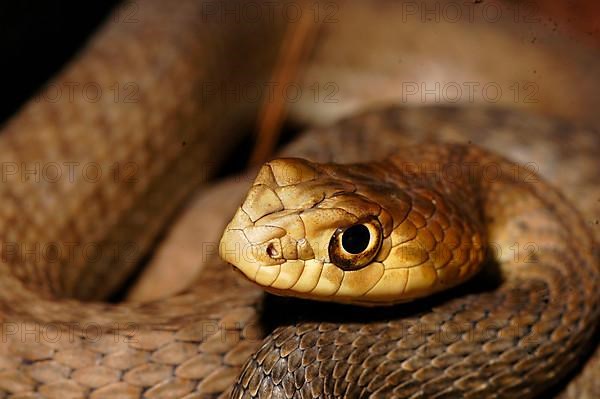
(514, 339)
(426, 228)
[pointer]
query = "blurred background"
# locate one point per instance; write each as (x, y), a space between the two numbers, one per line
(37, 37)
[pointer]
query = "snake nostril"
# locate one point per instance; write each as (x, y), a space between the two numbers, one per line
(272, 251)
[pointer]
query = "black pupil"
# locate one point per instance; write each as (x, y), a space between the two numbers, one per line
(356, 239)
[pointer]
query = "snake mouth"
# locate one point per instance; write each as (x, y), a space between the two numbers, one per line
(349, 300)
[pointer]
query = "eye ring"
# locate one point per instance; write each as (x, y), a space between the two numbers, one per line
(353, 247)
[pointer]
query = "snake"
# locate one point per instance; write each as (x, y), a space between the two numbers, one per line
(87, 186)
(398, 229)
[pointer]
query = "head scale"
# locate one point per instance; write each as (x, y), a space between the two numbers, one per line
(329, 232)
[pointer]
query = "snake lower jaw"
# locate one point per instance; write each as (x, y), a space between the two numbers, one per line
(350, 301)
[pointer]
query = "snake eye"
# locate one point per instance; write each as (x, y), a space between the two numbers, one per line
(355, 246)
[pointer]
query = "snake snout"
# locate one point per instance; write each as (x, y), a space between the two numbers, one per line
(249, 247)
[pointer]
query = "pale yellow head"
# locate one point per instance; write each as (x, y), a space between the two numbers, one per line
(345, 234)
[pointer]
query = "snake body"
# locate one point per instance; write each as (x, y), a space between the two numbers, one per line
(195, 344)
(505, 344)
(109, 174)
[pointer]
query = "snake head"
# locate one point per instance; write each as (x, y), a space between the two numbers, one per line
(344, 233)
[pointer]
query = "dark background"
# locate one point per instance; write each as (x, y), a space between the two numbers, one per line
(36, 39)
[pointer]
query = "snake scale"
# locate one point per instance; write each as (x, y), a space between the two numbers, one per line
(535, 326)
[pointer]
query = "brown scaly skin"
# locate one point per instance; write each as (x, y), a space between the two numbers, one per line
(508, 343)
(552, 147)
(383, 132)
(177, 347)
(76, 235)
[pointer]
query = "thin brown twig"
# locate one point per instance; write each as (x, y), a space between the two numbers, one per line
(298, 40)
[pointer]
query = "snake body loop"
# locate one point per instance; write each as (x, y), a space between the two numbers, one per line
(68, 242)
(123, 169)
(505, 343)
